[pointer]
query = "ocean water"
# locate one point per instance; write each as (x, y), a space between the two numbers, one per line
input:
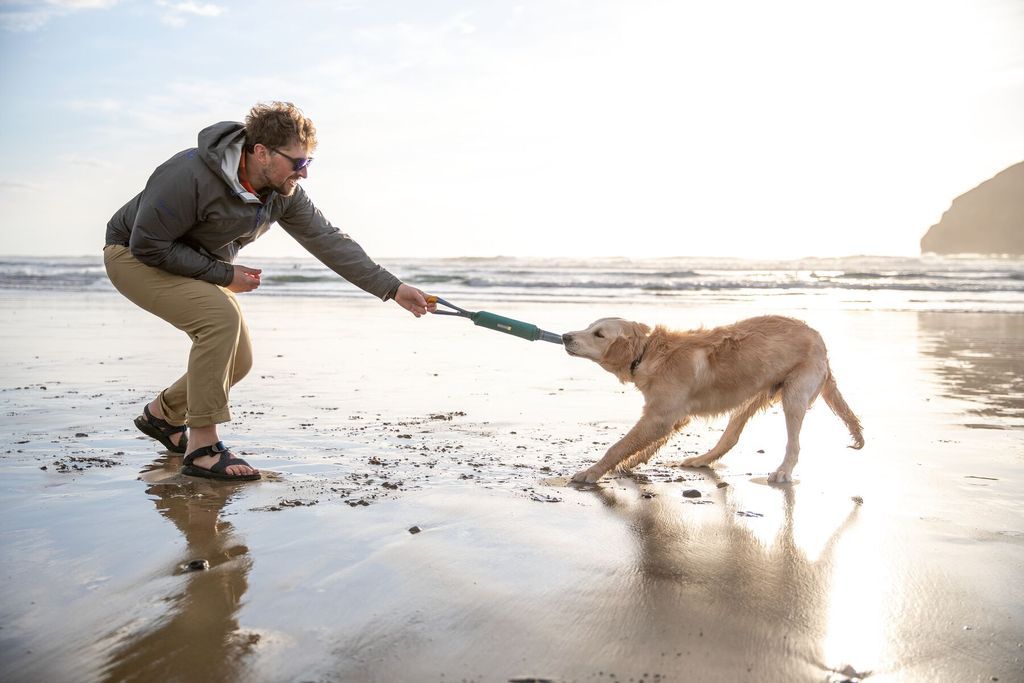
(929, 283)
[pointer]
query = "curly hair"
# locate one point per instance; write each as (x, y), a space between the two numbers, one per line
(278, 124)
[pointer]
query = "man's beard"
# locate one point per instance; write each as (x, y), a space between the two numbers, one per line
(287, 188)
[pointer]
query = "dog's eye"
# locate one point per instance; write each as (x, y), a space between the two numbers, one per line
(598, 334)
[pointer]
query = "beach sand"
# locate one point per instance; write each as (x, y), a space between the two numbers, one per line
(900, 562)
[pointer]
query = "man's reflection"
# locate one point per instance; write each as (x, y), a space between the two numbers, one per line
(198, 638)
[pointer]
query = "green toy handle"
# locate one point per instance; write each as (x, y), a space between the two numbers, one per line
(516, 328)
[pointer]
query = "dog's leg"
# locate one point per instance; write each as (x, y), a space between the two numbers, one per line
(644, 455)
(651, 430)
(796, 398)
(729, 437)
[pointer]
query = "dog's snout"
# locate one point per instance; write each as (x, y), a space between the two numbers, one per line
(567, 337)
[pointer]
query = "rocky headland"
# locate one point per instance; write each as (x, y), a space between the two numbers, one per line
(988, 219)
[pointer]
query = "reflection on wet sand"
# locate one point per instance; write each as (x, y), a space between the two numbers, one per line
(979, 357)
(198, 638)
(765, 592)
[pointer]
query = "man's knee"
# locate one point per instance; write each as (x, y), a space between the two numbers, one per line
(243, 360)
(223, 321)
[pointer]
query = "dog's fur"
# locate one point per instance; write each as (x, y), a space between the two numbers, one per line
(739, 369)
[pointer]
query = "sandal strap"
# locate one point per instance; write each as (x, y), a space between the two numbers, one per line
(216, 448)
(226, 460)
(163, 425)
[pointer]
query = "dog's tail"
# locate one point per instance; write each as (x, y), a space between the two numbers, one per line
(835, 401)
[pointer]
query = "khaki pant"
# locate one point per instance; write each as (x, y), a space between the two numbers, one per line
(221, 351)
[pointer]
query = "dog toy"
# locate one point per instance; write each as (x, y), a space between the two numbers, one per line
(516, 328)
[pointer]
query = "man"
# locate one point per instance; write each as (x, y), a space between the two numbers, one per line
(170, 250)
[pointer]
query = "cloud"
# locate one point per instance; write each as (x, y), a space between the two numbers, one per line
(177, 13)
(86, 162)
(103, 105)
(25, 21)
(83, 4)
(16, 186)
(23, 16)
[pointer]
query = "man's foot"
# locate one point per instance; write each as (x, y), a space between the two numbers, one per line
(152, 424)
(179, 438)
(217, 462)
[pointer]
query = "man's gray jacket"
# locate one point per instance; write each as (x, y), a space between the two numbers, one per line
(194, 216)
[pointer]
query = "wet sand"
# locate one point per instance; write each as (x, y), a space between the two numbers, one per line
(901, 562)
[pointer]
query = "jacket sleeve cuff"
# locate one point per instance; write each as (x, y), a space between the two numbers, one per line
(393, 292)
(229, 275)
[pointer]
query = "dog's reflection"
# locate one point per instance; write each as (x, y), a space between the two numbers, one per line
(198, 637)
(712, 565)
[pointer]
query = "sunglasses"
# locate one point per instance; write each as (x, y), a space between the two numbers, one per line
(297, 164)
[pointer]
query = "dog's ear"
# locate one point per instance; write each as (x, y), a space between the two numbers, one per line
(618, 355)
(641, 330)
(621, 353)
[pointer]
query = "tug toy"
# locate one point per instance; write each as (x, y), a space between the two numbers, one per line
(516, 328)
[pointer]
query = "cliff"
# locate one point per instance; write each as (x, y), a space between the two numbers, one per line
(986, 220)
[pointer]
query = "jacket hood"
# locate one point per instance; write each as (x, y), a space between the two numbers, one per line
(220, 147)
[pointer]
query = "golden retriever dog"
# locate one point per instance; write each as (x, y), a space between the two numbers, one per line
(739, 369)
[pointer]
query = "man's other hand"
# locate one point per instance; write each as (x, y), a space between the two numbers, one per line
(245, 279)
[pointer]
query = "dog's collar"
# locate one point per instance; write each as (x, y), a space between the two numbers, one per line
(636, 363)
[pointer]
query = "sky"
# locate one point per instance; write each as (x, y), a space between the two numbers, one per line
(576, 128)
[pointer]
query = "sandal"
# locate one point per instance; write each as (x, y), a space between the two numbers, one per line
(218, 469)
(162, 430)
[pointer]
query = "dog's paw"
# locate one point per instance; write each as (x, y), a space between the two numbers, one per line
(695, 461)
(587, 476)
(781, 476)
